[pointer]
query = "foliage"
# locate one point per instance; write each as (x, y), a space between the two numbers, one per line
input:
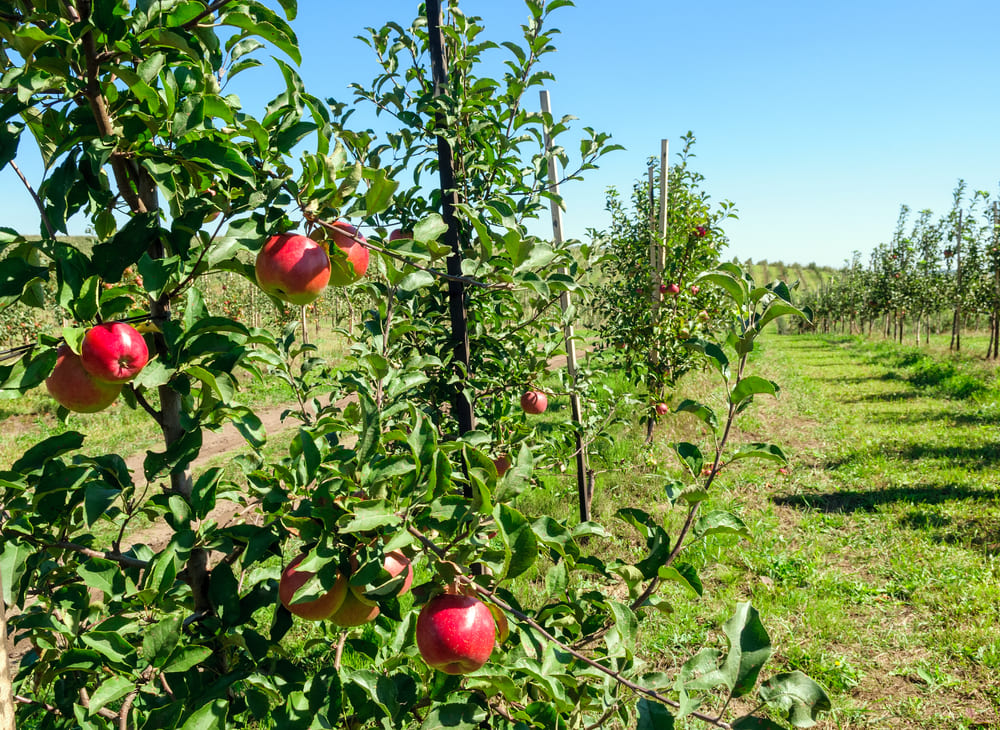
(643, 319)
(177, 181)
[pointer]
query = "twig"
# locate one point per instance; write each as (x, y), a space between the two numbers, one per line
(38, 201)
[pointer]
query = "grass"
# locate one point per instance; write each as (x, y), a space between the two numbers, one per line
(874, 560)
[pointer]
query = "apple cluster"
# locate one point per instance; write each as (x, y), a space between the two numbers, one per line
(455, 632)
(111, 354)
(296, 269)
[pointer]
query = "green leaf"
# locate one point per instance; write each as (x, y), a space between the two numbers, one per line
(53, 447)
(455, 715)
(684, 574)
(751, 385)
(735, 288)
(186, 657)
(749, 649)
(109, 691)
(111, 258)
(520, 545)
(102, 575)
(429, 229)
(690, 456)
(796, 696)
(653, 716)
(211, 716)
(700, 411)
(620, 639)
(713, 352)
(720, 522)
(367, 516)
(159, 640)
(769, 452)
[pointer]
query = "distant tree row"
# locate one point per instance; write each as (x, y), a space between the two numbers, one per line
(935, 274)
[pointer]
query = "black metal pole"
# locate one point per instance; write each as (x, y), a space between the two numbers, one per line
(449, 198)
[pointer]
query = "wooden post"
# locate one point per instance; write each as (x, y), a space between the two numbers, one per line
(583, 474)
(305, 324)
(956, 322)
(449, 198)
(995, 315)
(6, 692)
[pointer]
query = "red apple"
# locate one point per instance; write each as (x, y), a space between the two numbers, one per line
(700, 231)
(354, 611)
(399, 233)
(455, 633)
(293, 268)
(396, 563)
(673, 289)
(534, 402)
(348, 240)
(75, 389)
(114, 352)
(317, 610)
(695, 288)
(502, 463)
(662, 409)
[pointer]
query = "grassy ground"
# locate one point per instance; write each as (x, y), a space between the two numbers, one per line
(874, 558)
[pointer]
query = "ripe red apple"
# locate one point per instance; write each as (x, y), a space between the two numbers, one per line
(396, 563)
(353, 611)
(75, 389)
(348, 272)
(700, 231)
(113, 352)
(662, 409)
(673, 289)
(455, 633)
(695, 288)
(400, 233)
(293, 268)
(317, 610)
(534, 402)
(502, 463)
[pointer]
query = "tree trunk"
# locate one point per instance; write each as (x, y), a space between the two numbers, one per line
(6, 693)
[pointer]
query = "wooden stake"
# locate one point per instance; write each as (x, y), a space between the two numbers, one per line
(463, 408)
(583, 481)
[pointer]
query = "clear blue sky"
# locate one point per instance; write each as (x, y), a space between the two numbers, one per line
(817, 119)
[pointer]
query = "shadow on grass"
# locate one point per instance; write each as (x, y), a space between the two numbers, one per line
(856, 501)
(972, 458)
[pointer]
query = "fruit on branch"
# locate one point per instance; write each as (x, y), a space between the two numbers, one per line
(293, 268)
(75, 389)
(113, 352)
(455, 633)
(350, 269)
(502, 463)
(397, 563)
(400, 233)
(703, 316)
(672, 289)
(354, 611)
(695, 288)
(661, 409)
(318, 609)
(700, 231)
(534, 402)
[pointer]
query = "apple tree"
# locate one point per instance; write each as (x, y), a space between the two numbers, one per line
(128, 107)
(648, 313)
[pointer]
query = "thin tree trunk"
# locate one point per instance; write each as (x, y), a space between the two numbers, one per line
(6, 693)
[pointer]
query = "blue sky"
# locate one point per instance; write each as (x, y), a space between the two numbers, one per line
(817, 119)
